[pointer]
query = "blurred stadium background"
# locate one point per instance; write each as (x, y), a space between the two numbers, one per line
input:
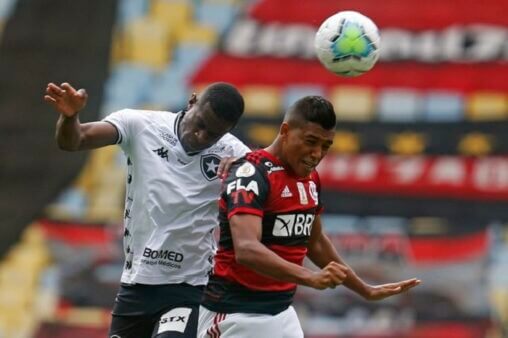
(417, 184)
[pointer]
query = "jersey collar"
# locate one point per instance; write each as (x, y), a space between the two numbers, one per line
(176, 130)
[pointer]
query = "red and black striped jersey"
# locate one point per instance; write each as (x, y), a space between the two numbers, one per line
(259, 184)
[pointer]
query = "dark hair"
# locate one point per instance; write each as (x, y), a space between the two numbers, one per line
(225, 100)
(312, 109)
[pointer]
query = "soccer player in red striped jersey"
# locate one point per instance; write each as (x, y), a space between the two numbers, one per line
(269, 217)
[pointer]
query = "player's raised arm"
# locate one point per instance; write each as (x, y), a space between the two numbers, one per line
(249, 251)
(321, 252)
(70, 134)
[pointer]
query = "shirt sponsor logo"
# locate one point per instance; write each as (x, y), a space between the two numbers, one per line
(293, 225)
(172, 140)
(166, 258)
(163, 254)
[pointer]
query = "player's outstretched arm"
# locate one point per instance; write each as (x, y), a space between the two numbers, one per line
(70, 133)
(321, 252)
(249, 251)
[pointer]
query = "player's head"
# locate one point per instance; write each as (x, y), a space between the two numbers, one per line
(211, 115)
(306, 134)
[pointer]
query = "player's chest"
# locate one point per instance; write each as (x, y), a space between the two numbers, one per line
(165, 156)
(287, 193)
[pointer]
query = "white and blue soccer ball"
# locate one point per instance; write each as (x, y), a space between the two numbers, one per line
(347, 43)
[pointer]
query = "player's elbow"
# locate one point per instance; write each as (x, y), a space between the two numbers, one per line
(65, 146)
(246, 254)
(68, 144)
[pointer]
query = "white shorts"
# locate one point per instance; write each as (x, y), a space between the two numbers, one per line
(248, 325)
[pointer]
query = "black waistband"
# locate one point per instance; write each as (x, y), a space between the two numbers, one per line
(224, 296)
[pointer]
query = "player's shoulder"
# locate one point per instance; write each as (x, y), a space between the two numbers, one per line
(229, 146)
(143, 114)
(253, 162)
(231, 140)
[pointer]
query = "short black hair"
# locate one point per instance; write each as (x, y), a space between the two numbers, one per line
(315, 109)
(225, 101)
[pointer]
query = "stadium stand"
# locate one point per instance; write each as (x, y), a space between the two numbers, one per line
(59, 275)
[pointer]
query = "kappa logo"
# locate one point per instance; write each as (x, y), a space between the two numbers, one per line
(209, 166)
(286, 192)
(162, 153)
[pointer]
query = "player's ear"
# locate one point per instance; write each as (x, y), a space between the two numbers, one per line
(284, 129)
(192, 101)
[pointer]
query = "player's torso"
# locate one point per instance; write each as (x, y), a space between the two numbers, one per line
(171, 206)
(289, 210)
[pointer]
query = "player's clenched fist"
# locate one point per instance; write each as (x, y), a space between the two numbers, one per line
(330, 276)
(65, 99)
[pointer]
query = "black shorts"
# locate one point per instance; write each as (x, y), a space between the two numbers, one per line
(161, 311)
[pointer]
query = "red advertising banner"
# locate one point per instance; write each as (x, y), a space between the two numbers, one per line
(449, 44)
(391, 13)
(440, 176)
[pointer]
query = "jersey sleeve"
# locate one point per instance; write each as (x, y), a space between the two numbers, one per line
(126, 122)
(245, 190)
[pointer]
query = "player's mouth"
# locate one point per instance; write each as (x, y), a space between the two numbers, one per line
(309, 165)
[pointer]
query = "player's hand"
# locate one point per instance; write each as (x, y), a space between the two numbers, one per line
(225, 165)
(378, 292)
(65, 99)
(329, 277)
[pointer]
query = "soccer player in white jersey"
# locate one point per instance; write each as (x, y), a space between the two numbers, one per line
(171, 200)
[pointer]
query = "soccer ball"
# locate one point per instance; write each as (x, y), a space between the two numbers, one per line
(347, 43)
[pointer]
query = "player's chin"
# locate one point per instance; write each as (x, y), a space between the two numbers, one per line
(304, 170)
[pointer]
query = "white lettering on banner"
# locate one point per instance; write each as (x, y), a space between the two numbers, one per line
(448, 170)
(248, 37)
(439, 175)
(361, 168)
(366, 167)
(406, 170)
(237, 185)
(485, 42)
(491, 174)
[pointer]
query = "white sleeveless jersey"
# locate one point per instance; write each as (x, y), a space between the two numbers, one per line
(171, 205)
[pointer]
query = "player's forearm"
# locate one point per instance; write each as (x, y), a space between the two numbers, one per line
(322, 252)
(68, 133)
(264, 261)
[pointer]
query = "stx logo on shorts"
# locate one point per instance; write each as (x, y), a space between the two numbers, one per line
(174, 320)
(293, 225)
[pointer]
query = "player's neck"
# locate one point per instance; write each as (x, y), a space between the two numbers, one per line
(275, 150)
